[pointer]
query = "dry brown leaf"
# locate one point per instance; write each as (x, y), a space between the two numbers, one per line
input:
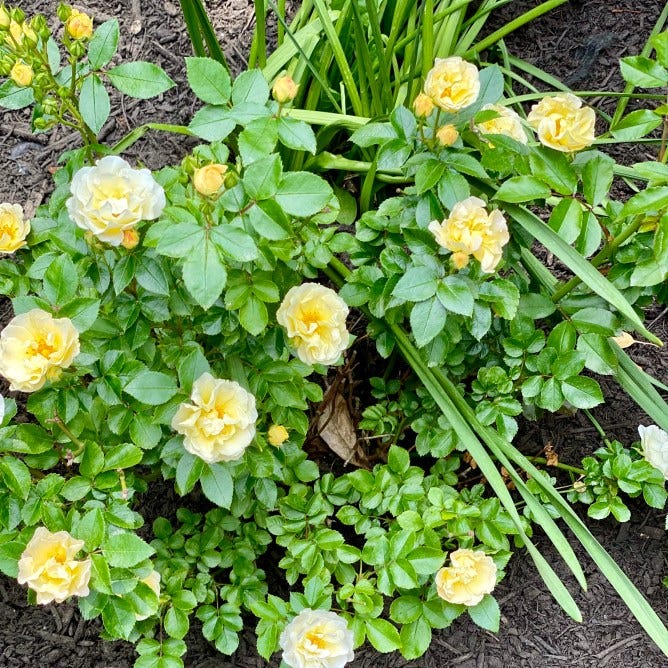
(551, 458)
(336, 428)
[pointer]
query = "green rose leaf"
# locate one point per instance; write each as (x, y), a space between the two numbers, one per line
(486, 614)
(140, 79)
(151, 387)
(582, 392)
(124, 550)
(303, 194)
(209, 80)
(217, 484)
(382, 635)
(94, 104)
(204, 274)
(103, 44)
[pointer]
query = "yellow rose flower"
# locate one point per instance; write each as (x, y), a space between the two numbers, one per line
(452, 83)
(112, 197)
(314, 318)
(423, 105)
(562, 123)
(35, 347)
(21, 74)
(14, 228)
(219, 424)
(447, 135)
(277, 434)
(208, 180)
(48, 566)
(284, 89)
(471, 230)
(506, 123)
(471, 576)
(317, 639)
(79, 25)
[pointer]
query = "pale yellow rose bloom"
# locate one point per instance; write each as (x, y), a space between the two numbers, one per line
(284, 89)
(314, 318)
(36, 347)
(506, 123)
(423, 105)
(79, 25)
(21, 74)
(277, 434)
(208, 180)
(654, 443)
(452, 83)
(447, 135)
(49, 568)
(112, 197)
(562, 123)
(471, 575)
(219, 424)
(317, 639)
(152, 580)
(471, 230)
(14, 228)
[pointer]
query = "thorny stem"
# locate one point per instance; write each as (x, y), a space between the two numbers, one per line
(664, 139)
(558, 465)
(597, 426)
(66, 430)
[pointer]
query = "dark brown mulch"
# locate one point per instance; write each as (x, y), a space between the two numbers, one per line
(581, 41)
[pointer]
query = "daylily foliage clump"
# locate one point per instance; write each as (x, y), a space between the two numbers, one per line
(185, 324)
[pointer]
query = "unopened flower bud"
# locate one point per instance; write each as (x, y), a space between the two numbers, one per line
(21, 74)
(17, 14)
(79, 25)
(208, 180)
(284, 90)
(77, 49)
(277, 434)
(459, 260)
(423, 105)
(39, 25)
(4, 17)
(130, 239)
(447, 135)
(64, 12)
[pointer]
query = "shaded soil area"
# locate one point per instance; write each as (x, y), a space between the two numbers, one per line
(579, 42)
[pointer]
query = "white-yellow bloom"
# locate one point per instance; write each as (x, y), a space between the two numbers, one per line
(48, 566)
(471, 575)
(562, 123)
(208, 180)
(14, 228)
(112, 197)
(219, 424)
(471, 230)
(452, 83)
(35, 347)
(317, 639)
(314, 318)
(506, 123)
(654, 443)
(79, 25)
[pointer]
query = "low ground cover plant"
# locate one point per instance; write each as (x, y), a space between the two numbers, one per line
(179, 325)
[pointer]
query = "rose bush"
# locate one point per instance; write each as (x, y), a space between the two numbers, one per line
(168, 325)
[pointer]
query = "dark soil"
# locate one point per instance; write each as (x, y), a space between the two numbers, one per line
(579, 42)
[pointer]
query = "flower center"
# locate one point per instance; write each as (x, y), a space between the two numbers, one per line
(42, 346)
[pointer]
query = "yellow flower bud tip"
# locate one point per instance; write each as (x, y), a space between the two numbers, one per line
(21, 74)
(79, 25)
(284, 89)
(423, 105)
(447, 135)
(4, 17)
(459, 260)
(277, 434)
(208, 180)
(130, 239)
